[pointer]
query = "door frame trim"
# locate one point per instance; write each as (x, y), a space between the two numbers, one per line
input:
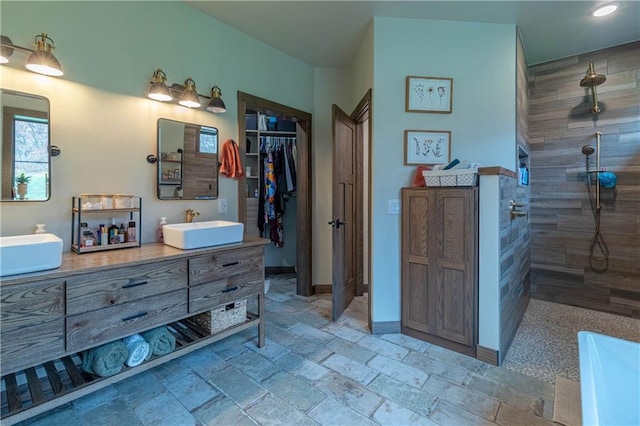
(363, 111)
(304, 220)
(359, 114)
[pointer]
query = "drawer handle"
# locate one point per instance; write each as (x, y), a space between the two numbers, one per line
(134, 284)
(230, 289)
(224, 265)
(140, 315)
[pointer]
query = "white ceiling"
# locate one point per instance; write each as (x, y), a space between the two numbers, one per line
(328, 33)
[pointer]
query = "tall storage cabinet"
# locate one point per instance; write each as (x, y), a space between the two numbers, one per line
(440, 266)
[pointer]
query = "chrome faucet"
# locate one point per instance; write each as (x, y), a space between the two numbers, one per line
(190, 214)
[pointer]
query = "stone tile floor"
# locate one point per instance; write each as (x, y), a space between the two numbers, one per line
(546, 343)
(313, 371)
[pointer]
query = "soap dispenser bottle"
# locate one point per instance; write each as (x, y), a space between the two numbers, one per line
(524, 174)
(160, 235)
(113, 232)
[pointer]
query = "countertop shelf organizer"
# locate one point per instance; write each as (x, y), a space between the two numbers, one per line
(98, 209)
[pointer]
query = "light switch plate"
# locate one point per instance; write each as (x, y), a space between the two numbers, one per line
(223, 207)
(394, 206)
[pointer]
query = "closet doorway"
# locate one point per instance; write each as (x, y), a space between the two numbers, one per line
(351, 205)
(263, 135)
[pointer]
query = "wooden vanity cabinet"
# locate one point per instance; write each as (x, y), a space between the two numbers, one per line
(32, 320)
(48, 318)
(440, 266)
(221, 278)
(104, 306)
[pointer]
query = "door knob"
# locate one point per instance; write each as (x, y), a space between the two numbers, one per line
(336, 223)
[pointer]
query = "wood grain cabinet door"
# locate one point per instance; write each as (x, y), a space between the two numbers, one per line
(417, 212)
(439, 266)
(32, 324)
(453, 243)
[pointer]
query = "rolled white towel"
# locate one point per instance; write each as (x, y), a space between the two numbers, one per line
(464, 164)
(138, 350)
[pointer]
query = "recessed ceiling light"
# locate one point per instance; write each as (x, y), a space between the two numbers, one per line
(606, 9)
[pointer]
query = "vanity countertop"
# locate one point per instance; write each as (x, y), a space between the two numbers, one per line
(73, 263)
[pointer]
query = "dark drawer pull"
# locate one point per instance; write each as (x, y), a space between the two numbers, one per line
(224, 265)
(141, 314)
(134, 284)
(230, 289)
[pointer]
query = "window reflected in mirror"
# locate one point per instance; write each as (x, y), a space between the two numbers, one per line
(26, 162)
(187, 161)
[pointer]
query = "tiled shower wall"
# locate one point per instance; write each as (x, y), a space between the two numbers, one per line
(562, 223)
(514, 262)
(514, 233)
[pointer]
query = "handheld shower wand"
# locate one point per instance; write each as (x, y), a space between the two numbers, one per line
(598, 134)
(597, 239)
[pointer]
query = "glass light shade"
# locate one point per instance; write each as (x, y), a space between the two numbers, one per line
(189, 95)
(216, 104)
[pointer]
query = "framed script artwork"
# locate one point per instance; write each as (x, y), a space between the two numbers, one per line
(427, 147)
(429, 94)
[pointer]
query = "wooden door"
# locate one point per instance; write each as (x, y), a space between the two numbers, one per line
(343, 198)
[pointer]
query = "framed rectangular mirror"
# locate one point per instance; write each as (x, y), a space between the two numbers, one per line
(26, 141)
(187, 161)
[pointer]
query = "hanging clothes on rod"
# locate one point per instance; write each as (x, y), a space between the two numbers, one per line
(278, 183)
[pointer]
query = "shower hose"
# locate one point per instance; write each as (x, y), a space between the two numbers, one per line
(597, 240)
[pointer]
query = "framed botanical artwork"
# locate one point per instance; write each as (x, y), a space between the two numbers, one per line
(427, 147)
(429, 94)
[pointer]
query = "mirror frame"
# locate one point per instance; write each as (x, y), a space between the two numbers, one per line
(5, 133)
(180, 151)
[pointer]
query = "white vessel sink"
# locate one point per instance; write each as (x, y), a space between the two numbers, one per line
(202, 234)
(29, 253)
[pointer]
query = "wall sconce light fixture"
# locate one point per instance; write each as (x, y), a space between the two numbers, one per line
(40, 60)
(189, 96)
(216, 104)
(186, 94)
(158, 90)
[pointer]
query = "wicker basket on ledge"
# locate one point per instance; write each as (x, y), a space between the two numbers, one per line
(222, 317)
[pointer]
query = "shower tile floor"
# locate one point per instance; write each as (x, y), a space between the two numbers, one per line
(314, 371)
(546, 344)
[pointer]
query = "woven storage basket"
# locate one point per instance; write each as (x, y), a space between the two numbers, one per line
(222, 317)
(463, 177)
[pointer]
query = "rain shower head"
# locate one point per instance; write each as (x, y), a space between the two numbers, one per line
(587, 150)
(592, 79)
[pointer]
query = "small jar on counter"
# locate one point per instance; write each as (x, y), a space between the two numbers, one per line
(88, 239)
